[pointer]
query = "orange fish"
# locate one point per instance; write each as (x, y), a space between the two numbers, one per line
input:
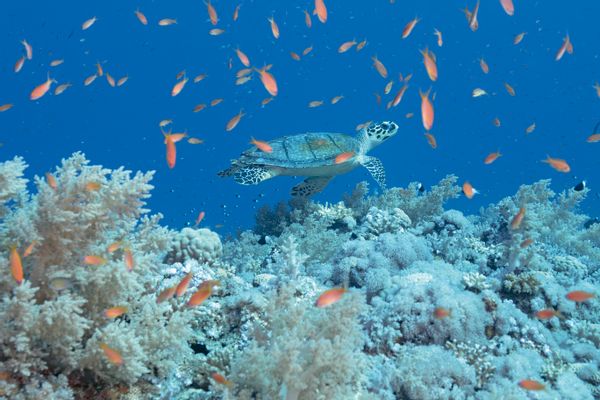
(199, 219)
(566, 47)
(469, 190)
(88, 23)
(94, 260)
(166, 294)
(194, 140)
(473, 22)
(427, 113)
(99, 69)
(199, 107)
(92, 186)
(122, 81)
(268, 81)
(28, 49)
(29, 249)
(171, 151)
(530, 384)
(212, 13)
(530, 128)
(216, 32)
(441, 313)
(199, 78)
(380, 67)
(243, 80)
(315, 103)
(525, 243)
(363, 125)
(274, 27)
(509, 89)
(508, 7)
(596, 87)
(361, 45)
(51, 180)
(16, 266)
(115, 312)
(110, 80)
(490, 158)
(61, 88)
(593, 138)
(408, 28)
(307, 50)
(558, 164)
(233, 122)
(336, 99)
(343, 157)
(88, 81)
(214, 102)
(19, 64)
(440, 41)
(321, 10)
(5, 107)
(579, 296)
(429, 62)
(178, 87)
(519, 38)
(243, 72)
(56, 63)
(307, 19)
(547, 314)
(128, 258)
(183, 284)
(496, 122)
(236, 13)
(261, 145)
(330, 296)
(295, 56)
(266, 101)
(221, 379)
(203, 293)
(388, 87)
(243, 57)
(431, 140)
(517, 219)
(344, 47)
(167, 22)
(113, 355)
(141, 17)
(484, 66)
(113, 247)
(41, 89)
(398, 98)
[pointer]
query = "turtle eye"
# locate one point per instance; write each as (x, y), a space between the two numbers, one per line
(385, 126)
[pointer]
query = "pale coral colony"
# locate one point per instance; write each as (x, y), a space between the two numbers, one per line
(438, 305)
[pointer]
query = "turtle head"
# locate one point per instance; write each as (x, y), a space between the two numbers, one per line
(377, 133)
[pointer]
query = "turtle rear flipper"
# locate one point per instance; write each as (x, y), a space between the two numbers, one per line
(252, 174)
(310, 186)
(375, 167)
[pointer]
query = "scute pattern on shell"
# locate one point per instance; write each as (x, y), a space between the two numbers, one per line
(304, 150)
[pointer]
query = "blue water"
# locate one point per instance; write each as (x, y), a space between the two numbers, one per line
(119, 126)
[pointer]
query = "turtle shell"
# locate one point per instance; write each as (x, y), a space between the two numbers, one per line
(304, 150)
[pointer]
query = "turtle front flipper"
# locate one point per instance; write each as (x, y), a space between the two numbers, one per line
(375, 167)
(252, 174)
(310, 186)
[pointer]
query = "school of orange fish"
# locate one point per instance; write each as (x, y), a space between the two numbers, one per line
(269, 82)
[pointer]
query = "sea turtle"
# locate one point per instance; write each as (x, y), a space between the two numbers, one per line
(315, 155)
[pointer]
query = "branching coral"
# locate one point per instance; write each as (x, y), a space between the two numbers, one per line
(303, 352)
(56, 315)
(475, 355)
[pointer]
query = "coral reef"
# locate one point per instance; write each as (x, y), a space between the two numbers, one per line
(434, 305)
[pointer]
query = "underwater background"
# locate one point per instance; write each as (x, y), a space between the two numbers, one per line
(439, 294)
